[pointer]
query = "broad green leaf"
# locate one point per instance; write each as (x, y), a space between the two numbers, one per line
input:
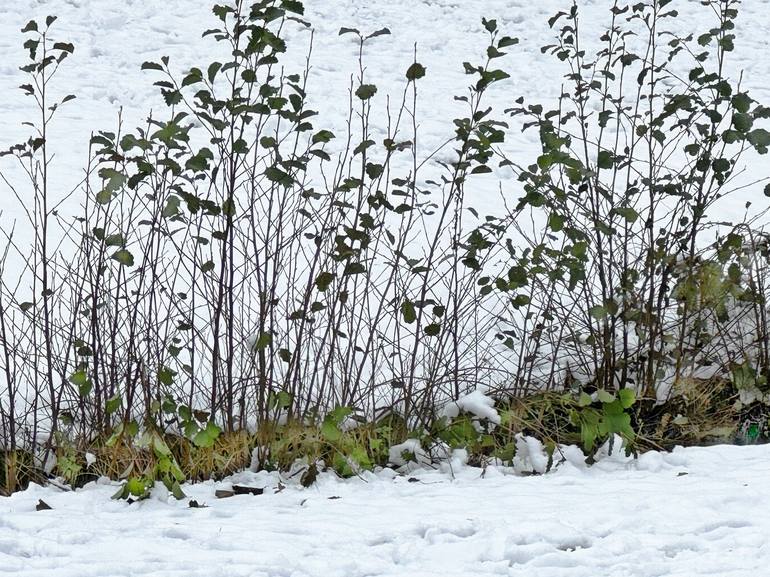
(605, 396)
(598, 312)
(114, 240)
(604, 159)
(366, 91)
(323, 280)
(330, 431)
(415, 72)
(408, 311)
(124, 257)
(433, 329)
(322, 136)
(627, 398)
(628, 213)
(584, 400)
(113, 404)
(151, 66)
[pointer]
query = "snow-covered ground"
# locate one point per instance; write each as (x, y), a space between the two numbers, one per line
(696, 511)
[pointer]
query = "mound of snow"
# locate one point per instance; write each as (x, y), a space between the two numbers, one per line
(475, 403)
(530, 455)
(408, 452)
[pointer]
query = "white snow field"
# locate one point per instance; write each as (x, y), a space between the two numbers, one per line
(695, 511)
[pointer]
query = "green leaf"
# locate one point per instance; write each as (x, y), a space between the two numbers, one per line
(408, 311)
(742, 102)
(136, 487)
(115, 180)
(415, 72)
(113, 404)
(507, 41)
(345, 30)
(176, 491)
(151, 66)
(604, 160)
(275, 174)
(104, 197)
(598, 312)
(366, 91)
(759, 138)
(280, 400)
(293, 6)
(67, 47)
(374, 171)
(627, 398)
(323, 280)
(322, 136)
(380, 32)
(208, 436)
(338, 414)
(584, 400)
(614, 420)
(354, 268)
(166, 375)
(199, 162)
(78, 377)
(489, 25)
(493, 52)
(114, 240)
(742, 122)
(605, 396)
(330, 431)
(172, 207)
(628, 213)
(556, 222)
(433, 329)
(212, 71)
(264, 341)
(124, 257)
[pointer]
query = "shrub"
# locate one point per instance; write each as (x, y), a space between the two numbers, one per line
(241, 277)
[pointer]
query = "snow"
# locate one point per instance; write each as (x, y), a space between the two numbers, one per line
(695, 511)
(408, 454)
(475, 403)
(530, 455)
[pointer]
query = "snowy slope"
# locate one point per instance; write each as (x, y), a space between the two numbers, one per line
(690, 513)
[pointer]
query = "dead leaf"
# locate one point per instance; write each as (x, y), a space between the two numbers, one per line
(309, 476)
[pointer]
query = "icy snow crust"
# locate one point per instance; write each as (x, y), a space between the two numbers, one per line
(696, 511)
